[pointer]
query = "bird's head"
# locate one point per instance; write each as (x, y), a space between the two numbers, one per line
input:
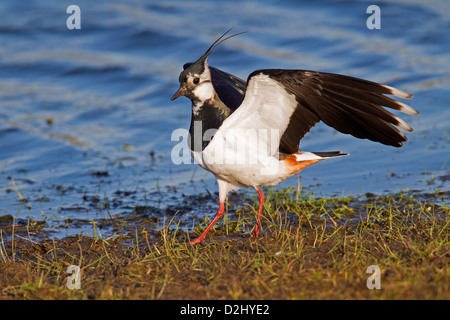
(195, 79)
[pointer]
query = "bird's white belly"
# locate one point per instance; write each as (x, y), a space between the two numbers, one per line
(240, 163)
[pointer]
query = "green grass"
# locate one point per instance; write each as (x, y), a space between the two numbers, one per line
(310, 248)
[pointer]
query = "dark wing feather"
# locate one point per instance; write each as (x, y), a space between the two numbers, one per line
(349, 105)
(228, 87)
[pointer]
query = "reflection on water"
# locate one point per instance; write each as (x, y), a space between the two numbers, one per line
(86, 114)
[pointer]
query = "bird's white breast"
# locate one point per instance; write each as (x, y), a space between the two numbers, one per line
(204, 91)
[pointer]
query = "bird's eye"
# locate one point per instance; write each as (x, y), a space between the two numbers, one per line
(196, 80)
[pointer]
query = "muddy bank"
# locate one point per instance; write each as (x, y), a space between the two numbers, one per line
(309, 249)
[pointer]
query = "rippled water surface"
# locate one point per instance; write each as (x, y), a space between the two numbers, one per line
(86, 117)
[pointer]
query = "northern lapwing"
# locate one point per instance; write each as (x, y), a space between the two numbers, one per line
(248, 133)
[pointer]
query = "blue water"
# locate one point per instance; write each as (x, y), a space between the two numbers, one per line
(86, 114)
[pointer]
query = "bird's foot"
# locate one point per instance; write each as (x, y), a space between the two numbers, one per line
(197, 240)
(255, 232)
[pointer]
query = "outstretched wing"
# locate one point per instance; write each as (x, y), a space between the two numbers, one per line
(293, 101)
(228, 87)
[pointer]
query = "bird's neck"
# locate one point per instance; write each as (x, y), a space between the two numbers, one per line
(205, 121)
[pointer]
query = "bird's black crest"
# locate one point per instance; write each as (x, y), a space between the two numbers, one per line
(198, 67)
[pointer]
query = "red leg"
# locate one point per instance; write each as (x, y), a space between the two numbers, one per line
(203, 235)
(261, 199)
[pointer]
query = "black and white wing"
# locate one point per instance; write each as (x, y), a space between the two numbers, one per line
(228, 87)
(293, 101)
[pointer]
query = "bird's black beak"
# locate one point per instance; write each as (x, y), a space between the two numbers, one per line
(180, 92)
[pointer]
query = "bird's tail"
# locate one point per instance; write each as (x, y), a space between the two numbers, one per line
(330, 154)
(306, 156)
